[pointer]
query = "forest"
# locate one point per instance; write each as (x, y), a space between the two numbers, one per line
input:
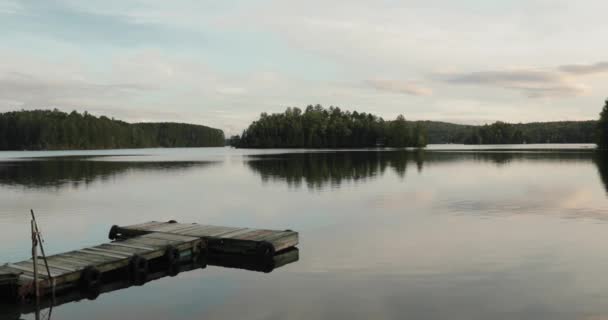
(56, 130)
(508, 133)
(319, 127)
(602, 128)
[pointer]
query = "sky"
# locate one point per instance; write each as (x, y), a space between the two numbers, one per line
(222, 63)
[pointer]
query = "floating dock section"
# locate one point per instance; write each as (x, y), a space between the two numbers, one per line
(164, 246)
(244, 241)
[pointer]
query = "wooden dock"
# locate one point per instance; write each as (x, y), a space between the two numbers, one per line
(245, 241)
(251, 263)
(85, 268)
(138, 248)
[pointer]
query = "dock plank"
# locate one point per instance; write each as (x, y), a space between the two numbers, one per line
(103, 254)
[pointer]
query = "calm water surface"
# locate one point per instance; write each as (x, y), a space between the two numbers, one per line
(511, 234)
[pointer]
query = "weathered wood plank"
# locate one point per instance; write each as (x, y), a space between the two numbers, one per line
(252, 236)
(87, 256)
(29, 269)
(188, 229)
(122, 244)
(84, 257)
(112, 250)
(237, 233)
(127, 250)
(285, 242)
(211, 232)
(277, 235)
(102, 254)
(54, 265)
(76, 263)
(197, 232)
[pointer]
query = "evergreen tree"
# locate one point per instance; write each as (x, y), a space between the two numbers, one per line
(602, 128)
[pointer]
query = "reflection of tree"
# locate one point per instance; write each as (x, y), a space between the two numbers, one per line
(601, 160)
(317, 170)
(59, 173)
(320, 169)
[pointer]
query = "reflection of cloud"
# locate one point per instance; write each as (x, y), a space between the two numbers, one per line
(405, 199)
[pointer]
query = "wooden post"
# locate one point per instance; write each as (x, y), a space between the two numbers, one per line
(35, 259)
(39, 237)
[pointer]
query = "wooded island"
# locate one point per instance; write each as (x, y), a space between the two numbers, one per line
(318, 127)
(56, 130)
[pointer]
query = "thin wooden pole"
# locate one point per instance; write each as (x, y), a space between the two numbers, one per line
(35, 259)
(39, 237)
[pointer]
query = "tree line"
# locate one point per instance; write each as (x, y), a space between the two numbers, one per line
(319, 127)
(602, 128)
(56, 130)
(513, 133)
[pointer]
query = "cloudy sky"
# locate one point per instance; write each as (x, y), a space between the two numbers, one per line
(221, 63)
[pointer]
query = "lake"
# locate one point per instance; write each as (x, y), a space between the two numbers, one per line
(447, 233)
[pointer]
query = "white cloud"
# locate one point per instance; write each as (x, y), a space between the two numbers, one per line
(583, 69)
(396, 86)
(533, 83)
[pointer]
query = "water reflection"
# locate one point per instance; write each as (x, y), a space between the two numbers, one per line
(250, 263)
(74, 172)
(322, 169)
(601, 160)
(318, 169)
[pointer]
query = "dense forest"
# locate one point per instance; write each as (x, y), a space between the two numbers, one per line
(602, 128)
(318, 127)
(55, 130)
(507, 133)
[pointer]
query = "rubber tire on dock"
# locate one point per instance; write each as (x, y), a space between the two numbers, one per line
(201, 257)
(172, 258)
(265, 249)
(138, 269)
(90, 282)
(113, 232)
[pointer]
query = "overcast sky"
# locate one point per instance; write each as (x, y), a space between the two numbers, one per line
(221, 63)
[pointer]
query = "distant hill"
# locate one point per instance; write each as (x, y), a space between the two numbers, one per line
(56, 130)
(502, 133)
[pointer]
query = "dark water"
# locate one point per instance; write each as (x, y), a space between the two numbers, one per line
(384, 235)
